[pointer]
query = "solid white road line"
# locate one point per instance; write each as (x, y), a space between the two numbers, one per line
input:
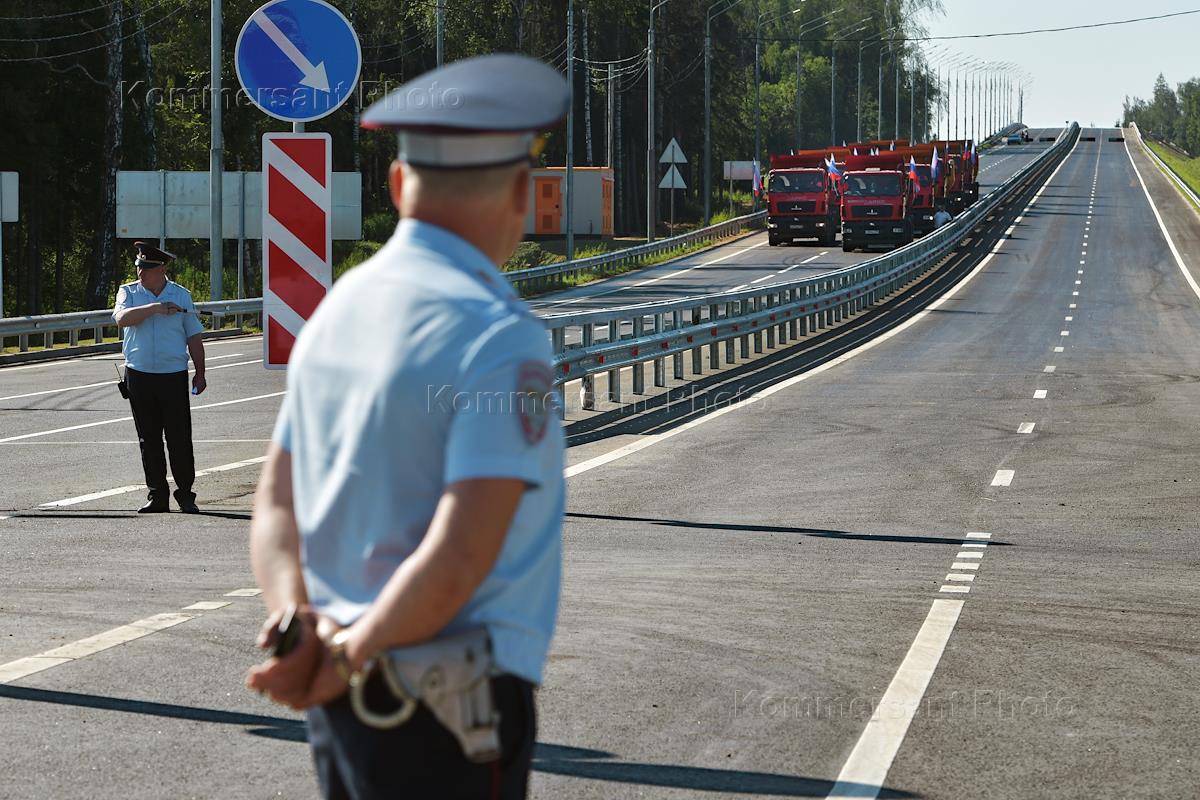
(866, 769)
(649, 281)
(762, 394)
(1004, 477)
(244, 593)
(1039, 394)
(127, 419)
(112, 382)
(86, 498)
(1026, 427)
(1163, 227)
(24, 667)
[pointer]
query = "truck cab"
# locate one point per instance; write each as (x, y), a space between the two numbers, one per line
(875, 205)
(802, 199)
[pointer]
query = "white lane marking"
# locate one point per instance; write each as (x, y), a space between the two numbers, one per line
(244, 593)
(127, 419)
(1060, 349)
(1163, 227)
(963, 565)
(112, 382)
(760, 280)
(103, 442)
(969, 554)
(1039, 394)
(1049, 368)
(206, 605)
(1026, 427)
(86, 498)
(69, 362)
(1064, 333)
(1078, 283)
(649, 281)
(948, 590)
(1074, 294)
(656, 438)
(966, 577)
(978, 535)
(738, 288)
(24, 667)
(1072, 305)
(980, 545)
(866, 769)
(1068, 319)
(1004, 477)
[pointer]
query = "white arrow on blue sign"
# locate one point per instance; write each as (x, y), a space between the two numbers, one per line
(298, 60)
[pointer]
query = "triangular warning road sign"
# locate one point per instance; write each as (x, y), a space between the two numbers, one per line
(673, 154)
(672, 180)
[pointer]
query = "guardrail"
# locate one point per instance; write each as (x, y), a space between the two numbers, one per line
(549, 276)
(92, 324)
(96, 323)
(1167, 169)
(778, 312)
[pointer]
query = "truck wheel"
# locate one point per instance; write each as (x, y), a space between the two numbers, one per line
(829, 236)
(772, 241)
(847, 246)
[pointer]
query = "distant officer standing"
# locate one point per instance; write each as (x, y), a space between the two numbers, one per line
(159, 331)
(412, 499)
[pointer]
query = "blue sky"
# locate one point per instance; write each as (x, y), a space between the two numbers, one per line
(1078, 75)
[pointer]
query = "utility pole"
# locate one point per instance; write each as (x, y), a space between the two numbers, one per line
(216, 159)
(707, 120)
(757, 115)
(612, 108)
(441, 29)
(896, 127)
(858, 100)
(569, 199)
(832, 93)
(650, 170)
(587, 93)
(879, 97)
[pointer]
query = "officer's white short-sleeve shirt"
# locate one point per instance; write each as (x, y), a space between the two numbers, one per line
(159, 343)
(418, 370)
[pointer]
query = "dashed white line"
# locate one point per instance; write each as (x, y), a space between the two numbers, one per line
(206, 605)
(1039, 394)
(963, 565)
(1064, 333)
(969, 554)
(1049, 368)
(1004, 477)
(1068, 319)
(244, 593)
(979, 535)
(1026, 427)
(1060, 349)
(86, 498)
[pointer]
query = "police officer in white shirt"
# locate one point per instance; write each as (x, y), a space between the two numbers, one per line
(159, 330)
(411, 504)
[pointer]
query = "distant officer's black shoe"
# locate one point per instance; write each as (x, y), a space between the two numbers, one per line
(155, 506)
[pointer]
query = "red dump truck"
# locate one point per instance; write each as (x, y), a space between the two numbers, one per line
(962, 174)
(876, 198)
(802, 200)
(927, 194)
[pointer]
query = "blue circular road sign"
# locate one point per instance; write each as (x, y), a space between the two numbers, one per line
(298, 60)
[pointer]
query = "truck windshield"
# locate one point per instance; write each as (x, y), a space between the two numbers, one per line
(797, 182)
(867, 185)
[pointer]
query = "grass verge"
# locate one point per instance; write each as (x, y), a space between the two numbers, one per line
(1187, 169)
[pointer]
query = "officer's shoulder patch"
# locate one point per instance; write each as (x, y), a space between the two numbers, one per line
(534, 387)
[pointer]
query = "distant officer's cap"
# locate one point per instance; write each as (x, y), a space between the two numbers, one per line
(485, 111)
(150, 256)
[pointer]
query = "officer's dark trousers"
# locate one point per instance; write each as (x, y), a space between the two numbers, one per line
(161, 406)
(420, 760)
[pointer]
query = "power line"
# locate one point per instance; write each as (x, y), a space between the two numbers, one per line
(52, 56)
(42, 39)
(58, 16)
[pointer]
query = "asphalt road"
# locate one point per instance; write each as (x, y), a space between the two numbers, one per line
(740, 596)
(750, 260)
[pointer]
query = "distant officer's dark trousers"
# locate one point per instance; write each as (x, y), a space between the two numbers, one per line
(420, 760)
(161, 406)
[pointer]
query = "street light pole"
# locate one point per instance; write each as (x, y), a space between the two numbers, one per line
(727, 5)
(569, 199)
(216, 160)
(651, 183)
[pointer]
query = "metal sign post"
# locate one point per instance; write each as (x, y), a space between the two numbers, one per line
(673, 179)
(9, 208)
(298, 61)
